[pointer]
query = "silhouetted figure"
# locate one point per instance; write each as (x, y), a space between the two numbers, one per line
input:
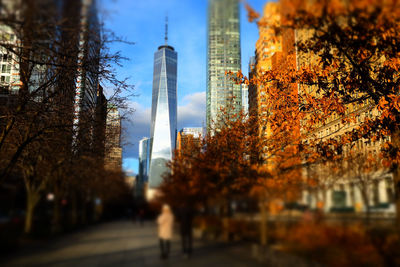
(165, 224)
(141, 216)
(186, 215)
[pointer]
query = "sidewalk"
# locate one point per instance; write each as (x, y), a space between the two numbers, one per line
(126, 244)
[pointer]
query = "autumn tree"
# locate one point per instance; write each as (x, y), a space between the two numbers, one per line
(48, 126)
(347, 60)
(234, 162)
(357, 46)
(185, 184)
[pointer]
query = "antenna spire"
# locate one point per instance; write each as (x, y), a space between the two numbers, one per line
(166, 30)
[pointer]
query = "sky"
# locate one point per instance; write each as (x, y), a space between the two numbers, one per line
(143, 22)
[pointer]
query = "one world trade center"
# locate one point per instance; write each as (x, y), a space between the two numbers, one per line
(163, 112)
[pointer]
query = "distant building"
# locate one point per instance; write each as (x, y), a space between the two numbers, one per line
(356, 187)
(336, 191)
(268, 53)
(252, 88)
(143, 176)
(245, 98)
(223, 54)
(194, 132)
(144, 153)
(163, 112)
(87, 80)
(268, 57)
(11, 49)
(113, 151)
(9, 71)
(100, 125)
(76, 33)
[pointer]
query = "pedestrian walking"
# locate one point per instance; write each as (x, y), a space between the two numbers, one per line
(141, 216)
(165, 223)
(186, 215)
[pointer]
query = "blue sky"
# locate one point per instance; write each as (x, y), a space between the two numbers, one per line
(143, 22)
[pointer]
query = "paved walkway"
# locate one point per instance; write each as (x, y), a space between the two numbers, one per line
(126, 244)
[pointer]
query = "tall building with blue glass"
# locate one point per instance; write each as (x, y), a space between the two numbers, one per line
(163, 112)
(223, 54)
(143, 175)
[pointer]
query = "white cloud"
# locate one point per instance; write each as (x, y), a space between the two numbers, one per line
(135, 129)
(193, 112)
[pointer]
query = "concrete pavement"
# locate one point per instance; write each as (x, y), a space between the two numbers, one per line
(123, 243)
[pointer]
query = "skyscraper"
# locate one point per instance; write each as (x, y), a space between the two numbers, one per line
(113, 149)
(67, 34)
(223, 54)
(163, 111)
(144, 158)
(87, 80)
(252, 89)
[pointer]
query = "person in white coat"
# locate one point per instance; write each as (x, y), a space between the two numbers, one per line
(165, 223)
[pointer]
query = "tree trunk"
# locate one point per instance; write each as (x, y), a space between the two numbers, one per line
(74, 210)
(56, 228)
(364, 195)
(56, 220)
(263, 223)
(31, 201)
(84, 219)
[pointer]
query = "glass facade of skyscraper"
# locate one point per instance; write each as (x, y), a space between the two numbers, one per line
(163, 113)
(144, 146)
(223, 54)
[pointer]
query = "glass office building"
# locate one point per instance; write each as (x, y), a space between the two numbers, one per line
(144, 145)
(223, 54)
(144, 151)
(163, 113)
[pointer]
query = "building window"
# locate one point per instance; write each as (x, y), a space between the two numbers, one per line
(352, 194)
(389, 190)
(6, 68)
